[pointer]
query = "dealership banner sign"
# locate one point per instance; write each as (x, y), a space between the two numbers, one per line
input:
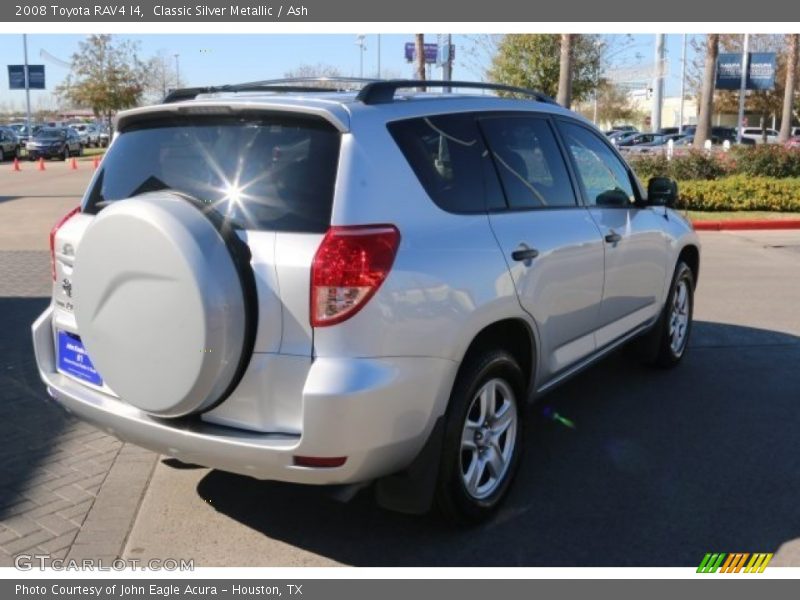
(761, 69)
(16, 77)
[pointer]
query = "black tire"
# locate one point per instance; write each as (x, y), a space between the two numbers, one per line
(455, 502)
(2, 155)
(65, 155)
(664, 353)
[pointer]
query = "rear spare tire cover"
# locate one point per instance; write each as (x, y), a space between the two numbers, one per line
(159, 304)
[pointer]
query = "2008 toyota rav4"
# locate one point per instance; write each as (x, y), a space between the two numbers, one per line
(341, 287)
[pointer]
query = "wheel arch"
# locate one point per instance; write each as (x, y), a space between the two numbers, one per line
(514, 335)
(690, 254)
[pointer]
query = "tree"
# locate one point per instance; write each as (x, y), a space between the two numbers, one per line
(106, 76)
(565, 71)
(789, 88)
(703, 131)
(162, 76)
(533, 61)
(315, 71)
(614, 106)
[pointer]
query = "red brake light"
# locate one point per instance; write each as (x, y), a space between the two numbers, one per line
(350, 265)
(53, 233)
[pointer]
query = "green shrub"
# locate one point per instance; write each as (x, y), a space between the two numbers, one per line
(740, 192)
(767, 160)
(695, 164)
(763, 160)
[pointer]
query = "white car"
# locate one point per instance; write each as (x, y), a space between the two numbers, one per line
(351, 287)
(757, 135)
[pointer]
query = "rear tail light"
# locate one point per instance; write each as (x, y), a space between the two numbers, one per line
(53, 233)
(349, 267)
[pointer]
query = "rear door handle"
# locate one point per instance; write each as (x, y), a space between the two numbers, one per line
(525, 254)
(613, 237)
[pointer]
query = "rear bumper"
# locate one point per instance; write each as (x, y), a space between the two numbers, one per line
(376, 412)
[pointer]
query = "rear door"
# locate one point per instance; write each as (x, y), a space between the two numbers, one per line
(270, 177)
(551, 244)
(635, 243)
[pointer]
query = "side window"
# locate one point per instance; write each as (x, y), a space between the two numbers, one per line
(604, 177)
(529, 162)
(447, 156)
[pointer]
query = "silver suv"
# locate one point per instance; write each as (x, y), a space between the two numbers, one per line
(333, 287)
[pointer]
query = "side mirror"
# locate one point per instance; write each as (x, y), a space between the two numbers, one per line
(662, 191)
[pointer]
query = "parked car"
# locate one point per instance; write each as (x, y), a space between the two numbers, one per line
(639, 138)
(337, 288)
(757, 135)
(9, 143)
(55, 142)
(88, 133)
(103, 136)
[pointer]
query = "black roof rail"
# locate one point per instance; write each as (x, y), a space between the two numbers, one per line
(290, 85)
(383, 91)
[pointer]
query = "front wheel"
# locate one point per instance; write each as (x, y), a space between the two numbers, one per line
(675, 325)
(483, 437)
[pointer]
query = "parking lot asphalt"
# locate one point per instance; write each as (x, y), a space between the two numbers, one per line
(662, 467)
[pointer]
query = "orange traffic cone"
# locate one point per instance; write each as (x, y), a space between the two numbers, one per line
(41, 164)
(16, 165)
(96, 162)
(73, 164)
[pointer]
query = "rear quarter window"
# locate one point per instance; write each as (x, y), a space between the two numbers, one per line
(267, 173)
(447, 156)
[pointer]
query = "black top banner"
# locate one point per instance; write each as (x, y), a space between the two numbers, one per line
(316, 11)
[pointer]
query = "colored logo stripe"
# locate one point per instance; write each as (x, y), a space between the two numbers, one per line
(734, 563)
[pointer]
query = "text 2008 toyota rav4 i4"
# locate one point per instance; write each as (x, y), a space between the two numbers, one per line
(349, 287)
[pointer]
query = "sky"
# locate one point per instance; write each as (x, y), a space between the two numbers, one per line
(215, 59)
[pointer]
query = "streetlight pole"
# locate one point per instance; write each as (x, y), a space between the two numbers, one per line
(742, 88)
(361, 47)
(27, 86)
(683, 84)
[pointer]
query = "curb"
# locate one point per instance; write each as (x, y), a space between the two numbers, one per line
(745, 224)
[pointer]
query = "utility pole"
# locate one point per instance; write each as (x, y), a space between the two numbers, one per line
(177, 71)
(379, 56)
(447, 64)
(27, 86)
(658, 83)
(362, 45)
(683, 84)
(742, 87)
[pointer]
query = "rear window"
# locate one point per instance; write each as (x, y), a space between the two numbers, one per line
(271, 173)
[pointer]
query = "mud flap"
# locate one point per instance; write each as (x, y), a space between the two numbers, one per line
(411, 491)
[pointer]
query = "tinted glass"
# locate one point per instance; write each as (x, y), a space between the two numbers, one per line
(52, 133)
(529, 162)
(446, 155)
(603, 175)
(275, 174)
